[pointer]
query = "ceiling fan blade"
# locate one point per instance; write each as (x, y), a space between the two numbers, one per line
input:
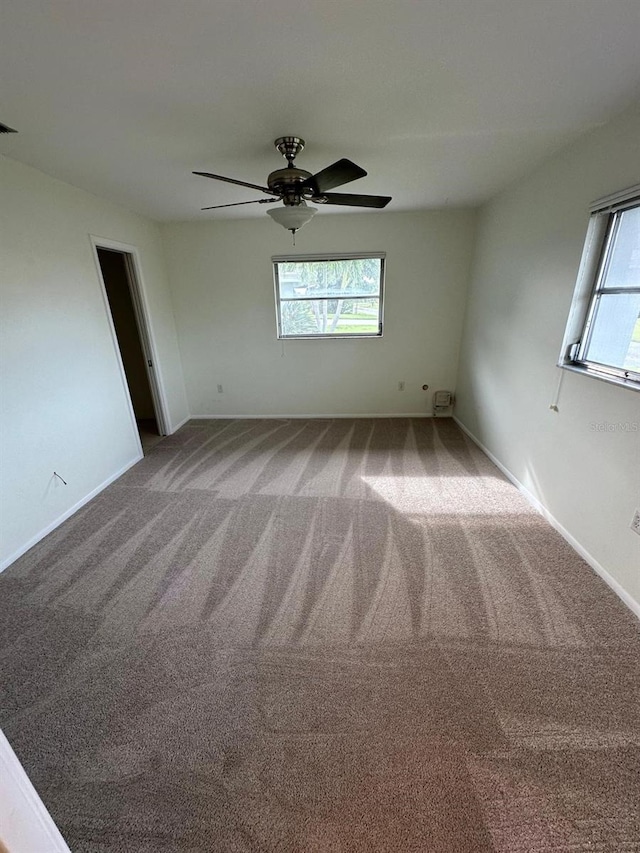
(354, 200)
(236, 203)
(335, 175)
(233, 181)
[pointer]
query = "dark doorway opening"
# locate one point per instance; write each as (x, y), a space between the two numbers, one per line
(116, 274)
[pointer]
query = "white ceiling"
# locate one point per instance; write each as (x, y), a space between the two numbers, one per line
(441, 101)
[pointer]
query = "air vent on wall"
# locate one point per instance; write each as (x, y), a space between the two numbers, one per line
(5, 129)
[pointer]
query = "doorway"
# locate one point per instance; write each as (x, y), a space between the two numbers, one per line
(129, 323)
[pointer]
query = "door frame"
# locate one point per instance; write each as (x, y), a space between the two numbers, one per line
(144, 325)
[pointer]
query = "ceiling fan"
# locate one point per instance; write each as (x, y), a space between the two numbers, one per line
(294, 187)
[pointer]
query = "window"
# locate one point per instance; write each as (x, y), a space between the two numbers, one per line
(322, 296)
(603, 333)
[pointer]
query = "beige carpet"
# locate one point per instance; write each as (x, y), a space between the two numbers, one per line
(321, 635)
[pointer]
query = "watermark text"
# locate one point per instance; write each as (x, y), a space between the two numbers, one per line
(614, 426)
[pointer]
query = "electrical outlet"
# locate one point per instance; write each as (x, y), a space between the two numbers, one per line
(401, 386)
(220, 389)
(635, 522)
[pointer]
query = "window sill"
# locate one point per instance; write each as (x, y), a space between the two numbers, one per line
(611, 378)
(328, 337)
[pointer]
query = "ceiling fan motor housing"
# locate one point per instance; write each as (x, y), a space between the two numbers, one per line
(287, 183)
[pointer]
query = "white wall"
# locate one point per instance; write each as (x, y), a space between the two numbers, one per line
(25, 823)
(63, 405)
(529, 245)
(222, 283)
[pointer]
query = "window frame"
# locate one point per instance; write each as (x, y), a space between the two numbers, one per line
(605, 215)
(329, 256)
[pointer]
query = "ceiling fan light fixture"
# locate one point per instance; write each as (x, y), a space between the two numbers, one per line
(293, 217)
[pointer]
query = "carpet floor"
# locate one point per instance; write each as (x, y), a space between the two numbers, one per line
(322, 636)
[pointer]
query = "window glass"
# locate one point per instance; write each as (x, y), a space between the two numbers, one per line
(614, 339)
(623, 267)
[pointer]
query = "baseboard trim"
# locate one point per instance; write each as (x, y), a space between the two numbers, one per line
(25, 823)
(176, 427)
(62, 518)
(597, 567)
(316, 416)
